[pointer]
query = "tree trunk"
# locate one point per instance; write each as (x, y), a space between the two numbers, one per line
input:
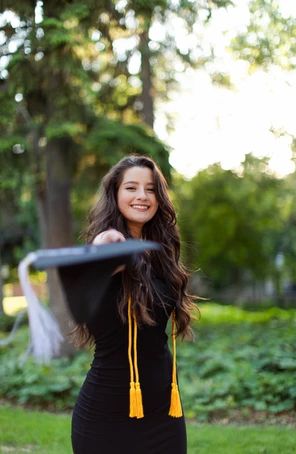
(146, 78)
(41, 213)
(57, 213)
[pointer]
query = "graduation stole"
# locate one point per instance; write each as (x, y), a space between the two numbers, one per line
(135, 393)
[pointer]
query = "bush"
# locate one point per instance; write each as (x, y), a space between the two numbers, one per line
(53, 386)
(6, 323)
(240, 361)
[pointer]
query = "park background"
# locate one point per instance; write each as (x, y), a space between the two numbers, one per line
(206, 89)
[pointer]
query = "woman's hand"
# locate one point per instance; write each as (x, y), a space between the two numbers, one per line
(108, 236)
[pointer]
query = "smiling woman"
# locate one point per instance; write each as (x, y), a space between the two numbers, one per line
(131, 389)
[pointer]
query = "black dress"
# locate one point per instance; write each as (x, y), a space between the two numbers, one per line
(101, 422)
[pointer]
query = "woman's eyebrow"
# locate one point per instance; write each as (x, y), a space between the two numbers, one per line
(136, 182)
(130, 182)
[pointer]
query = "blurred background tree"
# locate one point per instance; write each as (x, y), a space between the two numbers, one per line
(232, 223)
(79, 82)
(268, 42)
(267, 38)
(74, 100)
(55, 87)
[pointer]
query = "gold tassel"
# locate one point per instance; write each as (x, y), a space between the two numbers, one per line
(175, 407)
(139, 402)
(133, 400)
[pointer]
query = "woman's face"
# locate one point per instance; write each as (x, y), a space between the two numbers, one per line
(136, 198)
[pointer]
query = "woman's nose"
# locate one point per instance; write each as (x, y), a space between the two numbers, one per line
(141, 193)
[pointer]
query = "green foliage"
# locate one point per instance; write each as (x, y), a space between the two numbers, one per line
(240, 361)
(213, 313)
(39, 385)
(55, 385)
(125, 139)
(222, 80)
(268, 37)
(231, 223)
(288, 239)
(62, 130)
(6, 323)
(66, 88)
(63, 89)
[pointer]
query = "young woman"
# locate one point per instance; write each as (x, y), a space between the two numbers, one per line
(129, 402)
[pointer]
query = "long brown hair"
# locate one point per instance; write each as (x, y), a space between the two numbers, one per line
(165, 263)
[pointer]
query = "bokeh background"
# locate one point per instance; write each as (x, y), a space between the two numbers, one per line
(208, 90)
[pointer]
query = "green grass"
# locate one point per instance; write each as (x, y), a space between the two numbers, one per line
(24, 431)
(33, 432)
(232, 439)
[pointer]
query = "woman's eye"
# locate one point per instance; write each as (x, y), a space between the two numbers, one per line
(131, 188)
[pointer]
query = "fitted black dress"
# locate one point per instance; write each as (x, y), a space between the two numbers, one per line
(101, 422)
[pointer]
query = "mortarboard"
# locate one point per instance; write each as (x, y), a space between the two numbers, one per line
(85, 273)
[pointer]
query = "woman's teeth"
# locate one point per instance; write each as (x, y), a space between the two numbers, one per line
(140, 207)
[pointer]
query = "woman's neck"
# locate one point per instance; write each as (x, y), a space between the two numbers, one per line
(135, 231)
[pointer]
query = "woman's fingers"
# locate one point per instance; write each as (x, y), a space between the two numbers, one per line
(108, 236)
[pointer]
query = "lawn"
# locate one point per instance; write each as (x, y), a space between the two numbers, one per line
(24, 431)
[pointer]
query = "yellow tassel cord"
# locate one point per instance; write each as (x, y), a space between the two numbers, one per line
(140, 413)
(176, 407)
(136, 405)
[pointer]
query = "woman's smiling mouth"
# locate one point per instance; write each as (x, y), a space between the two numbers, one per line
(140, 207)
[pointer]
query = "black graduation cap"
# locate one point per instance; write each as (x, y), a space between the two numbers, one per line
(85, 271)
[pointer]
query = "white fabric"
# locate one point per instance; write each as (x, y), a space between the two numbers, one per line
(46, 337)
